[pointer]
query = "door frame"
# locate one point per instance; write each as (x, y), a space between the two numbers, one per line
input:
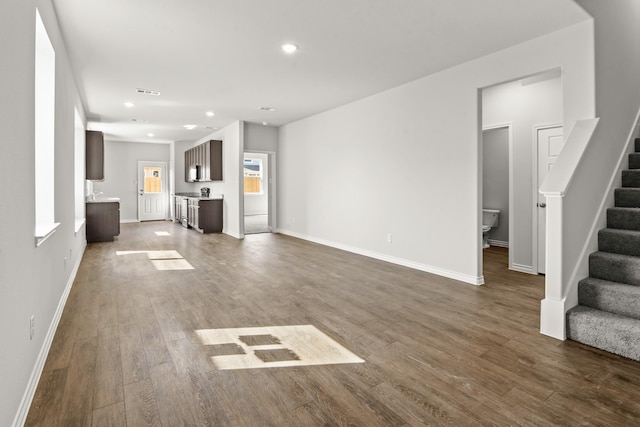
(509, 127)
(165, 190)
(534, 193)
(272, 189)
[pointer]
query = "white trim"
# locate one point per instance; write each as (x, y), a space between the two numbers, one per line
(29, 393)
(552, 318)
(44, 231)
(509, 126)
(79, 223)
(129, 221)
(479, 280)
(534, 182)
(523, 268)
(498, 243)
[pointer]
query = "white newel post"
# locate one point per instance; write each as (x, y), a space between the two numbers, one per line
(552, 308)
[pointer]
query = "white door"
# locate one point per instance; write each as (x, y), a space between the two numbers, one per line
(550, 143)
(152, 191)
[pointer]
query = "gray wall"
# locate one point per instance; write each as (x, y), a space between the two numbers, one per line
(260, 138)
(495, 182)
(121, 172)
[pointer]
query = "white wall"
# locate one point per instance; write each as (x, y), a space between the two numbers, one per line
(406, 161)
(33, 281)
(525, 107)
(121, 172)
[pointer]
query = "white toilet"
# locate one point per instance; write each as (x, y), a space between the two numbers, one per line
(489, 220)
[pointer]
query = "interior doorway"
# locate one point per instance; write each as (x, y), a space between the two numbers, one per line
(525, 105)
(259, 192)
(152, 191)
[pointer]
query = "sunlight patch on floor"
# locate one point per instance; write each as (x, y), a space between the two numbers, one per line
(162, 233)
(274, 347)
(163, 260)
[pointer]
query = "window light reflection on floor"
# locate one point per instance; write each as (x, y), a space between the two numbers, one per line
(163, 260)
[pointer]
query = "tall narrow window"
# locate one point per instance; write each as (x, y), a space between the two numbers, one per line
(252, 176)
(79, 171)
(45, 77)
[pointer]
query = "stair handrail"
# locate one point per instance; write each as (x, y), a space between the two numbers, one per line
(554, 188)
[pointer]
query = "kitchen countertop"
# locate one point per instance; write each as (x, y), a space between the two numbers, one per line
(199, 196)
(104, 200)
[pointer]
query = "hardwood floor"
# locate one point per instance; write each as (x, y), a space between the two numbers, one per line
(436, 351)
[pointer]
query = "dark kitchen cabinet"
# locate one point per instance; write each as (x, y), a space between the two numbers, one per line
(94, 155)
(206, 159)
(103, 221)
(205, 215)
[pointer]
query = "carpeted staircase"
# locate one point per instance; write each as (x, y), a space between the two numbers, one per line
(608, 312)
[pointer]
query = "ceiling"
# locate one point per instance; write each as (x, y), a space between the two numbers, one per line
(224, 56)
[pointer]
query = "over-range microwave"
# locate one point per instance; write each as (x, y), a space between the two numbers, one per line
(195, 173)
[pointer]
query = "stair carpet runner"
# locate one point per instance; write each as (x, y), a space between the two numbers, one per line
(608, 312)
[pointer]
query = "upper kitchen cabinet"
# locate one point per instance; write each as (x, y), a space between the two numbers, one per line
(203, 162)
(94, 155)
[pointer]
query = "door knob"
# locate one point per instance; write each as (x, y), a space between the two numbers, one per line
(542, 205)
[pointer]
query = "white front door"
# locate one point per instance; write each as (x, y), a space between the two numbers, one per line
(550, 142)
(152, 191)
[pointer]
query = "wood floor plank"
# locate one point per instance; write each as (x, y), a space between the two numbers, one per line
(436, 351)
(110, 416)
(140, 404)
(108, 375)
(77, 401)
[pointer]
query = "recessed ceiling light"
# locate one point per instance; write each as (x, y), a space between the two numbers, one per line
(210, 113)
(148, 92)
(129, 104)
(150, 135)
(289, 48)
(190, 127)
(265, 124)
(267, 109)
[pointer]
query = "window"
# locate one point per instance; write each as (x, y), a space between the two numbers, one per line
(152, 180)
(79, 172)
(45, 78)
(252, 176)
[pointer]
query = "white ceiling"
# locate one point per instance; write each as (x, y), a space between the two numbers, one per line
(224, 55)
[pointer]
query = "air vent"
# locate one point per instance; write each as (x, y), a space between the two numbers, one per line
(148, 92)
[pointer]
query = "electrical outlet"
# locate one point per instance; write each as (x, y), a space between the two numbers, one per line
(32, 326)
(389, 238)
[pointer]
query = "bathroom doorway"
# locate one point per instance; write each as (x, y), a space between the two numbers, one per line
(522, 106)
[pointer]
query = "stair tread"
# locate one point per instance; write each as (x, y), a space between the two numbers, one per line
(619, 241)
(615, 267)
(604, 330)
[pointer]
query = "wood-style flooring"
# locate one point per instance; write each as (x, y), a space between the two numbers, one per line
(436, 351)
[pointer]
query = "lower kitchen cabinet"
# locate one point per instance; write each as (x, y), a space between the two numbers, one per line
(205, 215)
(103, 221)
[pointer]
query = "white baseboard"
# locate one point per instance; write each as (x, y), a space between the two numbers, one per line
(32, 385)
(498, 243)
(394, 260)
(128, 221)
(522, 268)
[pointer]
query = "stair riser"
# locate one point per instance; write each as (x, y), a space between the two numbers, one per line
(618, 243)
(607, 333)
(627, 197)
(625, 270)
(614, 298)
(623, 219)
(637, 145)
(631, 178)
(634, 161)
